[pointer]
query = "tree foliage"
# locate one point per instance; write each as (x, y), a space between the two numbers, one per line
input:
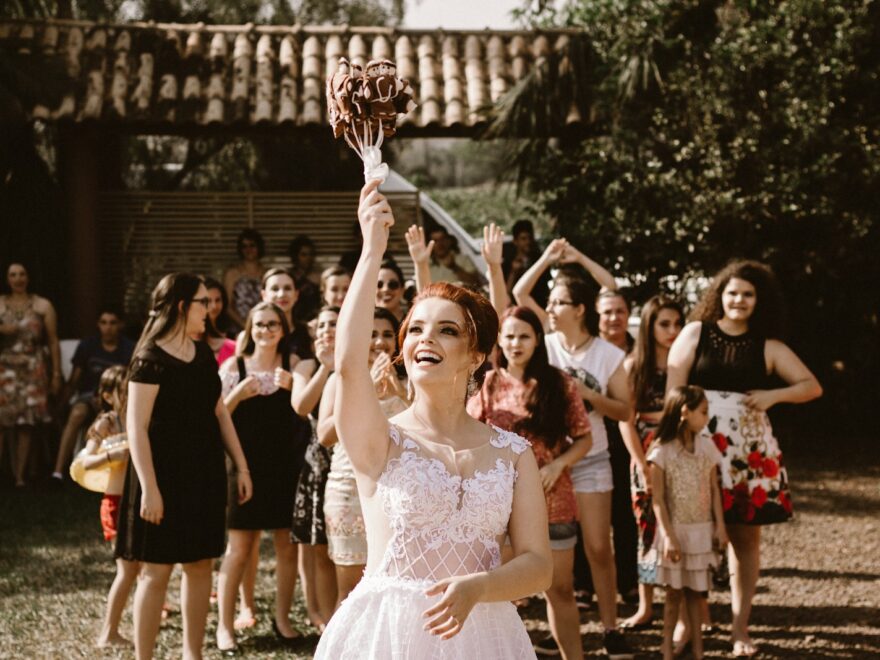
(733, 129)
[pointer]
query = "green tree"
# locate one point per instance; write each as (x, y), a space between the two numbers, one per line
(732, 129)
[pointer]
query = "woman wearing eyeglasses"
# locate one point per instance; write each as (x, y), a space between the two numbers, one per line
(174, 499)
(572, 324)
(389, 291)
(278, 288)
(256, 389)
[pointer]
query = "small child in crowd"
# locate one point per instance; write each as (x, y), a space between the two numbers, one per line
(105, 447)
(687, 501)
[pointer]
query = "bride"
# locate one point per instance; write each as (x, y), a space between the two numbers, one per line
(440, 491)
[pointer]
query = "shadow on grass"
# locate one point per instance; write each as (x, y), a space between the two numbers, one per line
(831, 501)
(44, 548)
(792, 618)
(807, 574)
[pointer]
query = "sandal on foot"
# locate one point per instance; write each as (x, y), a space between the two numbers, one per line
(744, 649)
(637, 625)
(243, 623)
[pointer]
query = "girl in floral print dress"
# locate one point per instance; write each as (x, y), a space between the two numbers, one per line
(346, 534)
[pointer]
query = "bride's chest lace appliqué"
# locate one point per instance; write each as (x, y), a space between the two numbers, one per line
(435, 509)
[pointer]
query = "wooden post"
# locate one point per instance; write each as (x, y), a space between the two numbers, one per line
(79, 170)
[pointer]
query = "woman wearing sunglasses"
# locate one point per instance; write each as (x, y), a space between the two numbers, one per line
(389, 291)
(256, 389)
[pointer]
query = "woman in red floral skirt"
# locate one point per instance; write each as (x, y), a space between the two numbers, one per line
(731, 350)
(661, 322)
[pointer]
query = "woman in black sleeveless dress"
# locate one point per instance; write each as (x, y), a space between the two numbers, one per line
(257, 392)
(731, 350)
(173, 504)
(278, 287)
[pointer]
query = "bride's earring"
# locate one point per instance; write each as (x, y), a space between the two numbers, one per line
(472, 385)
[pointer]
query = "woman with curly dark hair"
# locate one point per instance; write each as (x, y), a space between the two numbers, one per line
(730, 349)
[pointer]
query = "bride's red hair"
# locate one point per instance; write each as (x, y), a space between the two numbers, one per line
(481, 321)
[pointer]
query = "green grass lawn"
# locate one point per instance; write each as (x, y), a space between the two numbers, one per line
(55, 570)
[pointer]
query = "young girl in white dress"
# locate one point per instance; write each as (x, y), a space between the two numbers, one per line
(439, 490)
(687, 501)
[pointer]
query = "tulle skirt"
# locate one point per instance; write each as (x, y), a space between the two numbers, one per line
(382, 619)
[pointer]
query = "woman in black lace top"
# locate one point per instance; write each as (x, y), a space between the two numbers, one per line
(731, 350)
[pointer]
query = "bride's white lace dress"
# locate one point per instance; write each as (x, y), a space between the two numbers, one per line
(435, 513)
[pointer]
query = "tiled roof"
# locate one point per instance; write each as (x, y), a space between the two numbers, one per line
(154, 75)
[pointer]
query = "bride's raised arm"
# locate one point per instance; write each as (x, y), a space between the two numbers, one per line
(360, 423)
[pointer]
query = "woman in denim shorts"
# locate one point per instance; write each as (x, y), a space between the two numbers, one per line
(571, 325)
(528, 396)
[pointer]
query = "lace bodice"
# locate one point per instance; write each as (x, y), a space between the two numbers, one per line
(440, 519)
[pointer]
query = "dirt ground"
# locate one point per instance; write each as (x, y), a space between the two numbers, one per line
(818, 593)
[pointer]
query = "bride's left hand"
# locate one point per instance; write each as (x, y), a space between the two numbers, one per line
(447, 616)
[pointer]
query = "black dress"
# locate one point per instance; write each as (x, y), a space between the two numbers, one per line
(188, 459)
(274, 440)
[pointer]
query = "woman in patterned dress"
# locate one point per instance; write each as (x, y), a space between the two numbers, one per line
(661, 322)
(308, 528)
(731, 349)
(27, 327)
(242, 280)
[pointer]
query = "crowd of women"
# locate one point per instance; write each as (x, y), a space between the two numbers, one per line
(429, 464)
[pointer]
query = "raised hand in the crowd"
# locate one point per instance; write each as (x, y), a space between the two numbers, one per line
(420, 253)
(492, 250)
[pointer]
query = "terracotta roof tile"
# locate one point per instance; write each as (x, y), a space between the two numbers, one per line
(268, 75)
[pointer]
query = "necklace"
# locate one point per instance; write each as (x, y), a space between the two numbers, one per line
(575, 349)
(17, 308)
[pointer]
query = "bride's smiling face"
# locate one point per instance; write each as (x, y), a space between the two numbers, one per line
(437, 345)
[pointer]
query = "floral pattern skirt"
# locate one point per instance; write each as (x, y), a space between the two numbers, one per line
(24, 389)
(646, 559)
(308, 526)
(754, 481)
